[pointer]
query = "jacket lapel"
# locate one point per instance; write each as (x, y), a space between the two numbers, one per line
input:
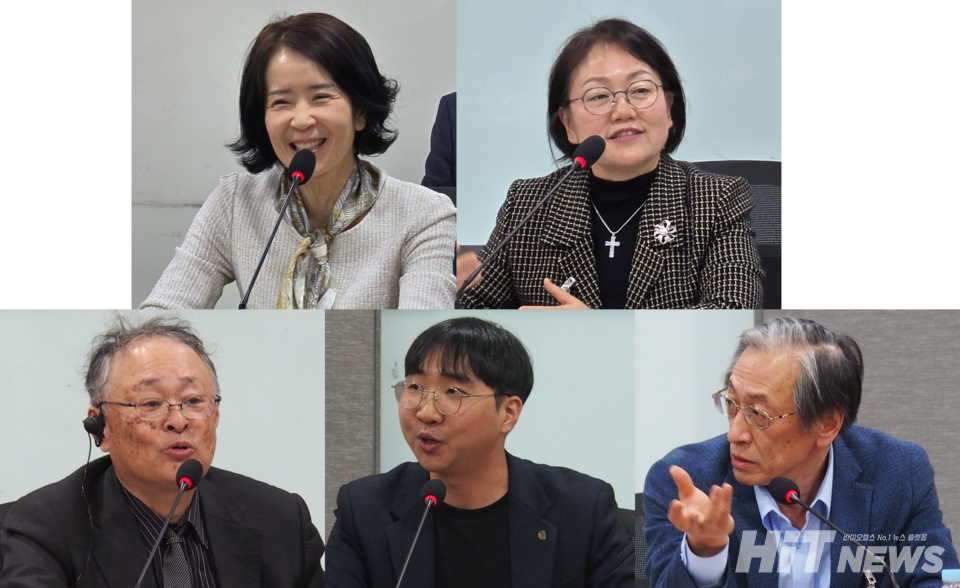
(666, 202)
(236, 549)
(406, 509)
(117, 546)
(533, 540)
(567, 227)
(850, 508)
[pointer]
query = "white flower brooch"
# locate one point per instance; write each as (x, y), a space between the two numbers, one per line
(665, 232)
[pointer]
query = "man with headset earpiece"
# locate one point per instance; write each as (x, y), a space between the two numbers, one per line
(155, 404)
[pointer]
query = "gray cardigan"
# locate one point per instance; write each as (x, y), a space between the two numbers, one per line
(399, 256)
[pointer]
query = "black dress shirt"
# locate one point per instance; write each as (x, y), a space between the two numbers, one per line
(190, 529)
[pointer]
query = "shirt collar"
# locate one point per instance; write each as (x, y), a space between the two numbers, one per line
(770, 513)
(150, 522)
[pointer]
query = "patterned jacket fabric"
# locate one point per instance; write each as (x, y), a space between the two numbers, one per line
(712, 262)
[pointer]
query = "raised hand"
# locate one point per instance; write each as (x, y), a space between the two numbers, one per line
(705, 519)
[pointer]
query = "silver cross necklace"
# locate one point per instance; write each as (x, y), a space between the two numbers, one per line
(612, 243)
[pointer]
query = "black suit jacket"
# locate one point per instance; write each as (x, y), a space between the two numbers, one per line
(711, 263)
(258, 535)
(583, 544)
(441, 165)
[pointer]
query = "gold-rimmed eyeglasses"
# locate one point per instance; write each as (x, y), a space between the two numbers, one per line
(447, 399)
(600, 100)
(755, 417)
(152, 409)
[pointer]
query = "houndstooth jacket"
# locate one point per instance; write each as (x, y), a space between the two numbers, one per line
(712, 262)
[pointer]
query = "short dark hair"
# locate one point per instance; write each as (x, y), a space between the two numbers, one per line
(344, 54)
(124, 333)
(471, 346)
(632, 39)
(831, 366)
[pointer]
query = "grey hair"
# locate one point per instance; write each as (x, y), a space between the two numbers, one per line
(831, 366)
(123, 334)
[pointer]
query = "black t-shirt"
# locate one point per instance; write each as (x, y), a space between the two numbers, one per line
(616, 201)
(473, 546)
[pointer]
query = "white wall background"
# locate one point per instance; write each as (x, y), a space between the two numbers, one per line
(271, 370)
(187, 59)
(727, 53)
(580, 412)
(681, 358)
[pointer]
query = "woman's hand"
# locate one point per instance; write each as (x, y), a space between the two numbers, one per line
(566, 299)
(466, 263)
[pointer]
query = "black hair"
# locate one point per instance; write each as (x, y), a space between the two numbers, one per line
(468, 346)
(344, 54)
(632, 39)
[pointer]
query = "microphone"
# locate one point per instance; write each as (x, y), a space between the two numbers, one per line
(432, 494)
(586, 154)
(785, 491)
(188, 475)
(589, 152)
(299, 172)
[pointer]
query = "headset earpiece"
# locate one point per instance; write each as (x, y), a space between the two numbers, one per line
(94, 425)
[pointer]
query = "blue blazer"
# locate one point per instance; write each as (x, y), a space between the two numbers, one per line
(881, 485)
(583, 544)
(441, 166)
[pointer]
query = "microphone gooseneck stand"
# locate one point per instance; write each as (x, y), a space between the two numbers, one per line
(586, 154)
(300, 170)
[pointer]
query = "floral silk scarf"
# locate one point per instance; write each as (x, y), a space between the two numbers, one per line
(308, 283)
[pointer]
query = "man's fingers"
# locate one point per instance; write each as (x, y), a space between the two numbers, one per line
(682, 517)
(675, 513)
(727, 496)
(683, 481)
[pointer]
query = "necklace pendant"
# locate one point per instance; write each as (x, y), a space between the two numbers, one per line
(612, 243)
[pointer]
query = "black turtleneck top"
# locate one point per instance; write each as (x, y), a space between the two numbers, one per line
(616, 202)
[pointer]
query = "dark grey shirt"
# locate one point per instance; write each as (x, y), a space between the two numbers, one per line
(190, 529)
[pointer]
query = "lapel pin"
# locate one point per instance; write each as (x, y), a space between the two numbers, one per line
(542, 535)
(665, 232)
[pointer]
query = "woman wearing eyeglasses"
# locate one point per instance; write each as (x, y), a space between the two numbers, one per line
(638, 229)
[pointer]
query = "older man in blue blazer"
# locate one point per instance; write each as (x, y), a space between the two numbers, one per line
(506, 521)
(792, 396)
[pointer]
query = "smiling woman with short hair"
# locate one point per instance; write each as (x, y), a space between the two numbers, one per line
(353, 236)
(638, 229)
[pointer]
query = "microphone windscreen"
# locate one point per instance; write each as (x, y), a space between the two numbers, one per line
(780, 488)
(436, 489)
(590, 150)
(190, 471)
(303, 163)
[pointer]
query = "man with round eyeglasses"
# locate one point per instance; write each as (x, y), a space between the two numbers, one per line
(154, 404)
(505, 521)
(792, 395)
